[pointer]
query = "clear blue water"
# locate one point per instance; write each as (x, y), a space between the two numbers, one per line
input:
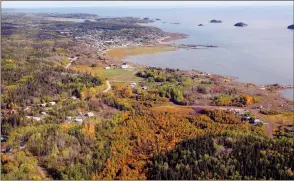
(261, 53)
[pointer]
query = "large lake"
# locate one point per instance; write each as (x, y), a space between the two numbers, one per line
(261, 53)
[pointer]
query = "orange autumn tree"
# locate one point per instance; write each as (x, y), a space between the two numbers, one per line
(248, 99)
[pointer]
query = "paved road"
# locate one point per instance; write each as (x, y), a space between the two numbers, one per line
(108, 86)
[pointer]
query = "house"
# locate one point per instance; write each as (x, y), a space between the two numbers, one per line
(68, 118)
(107, 68)
(44, 113)
(43, 105)
(256, 121)
(89, 114)
(34, 118)
(144, 88)
(52, 103)
(125, 66)
(133, 84)
(78, 120)
(3, 138)
(73, 97)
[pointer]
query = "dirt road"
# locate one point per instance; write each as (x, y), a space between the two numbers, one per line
(71, 61)
(108, 86)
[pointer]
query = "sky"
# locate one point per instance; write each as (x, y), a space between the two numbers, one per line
(136, 4)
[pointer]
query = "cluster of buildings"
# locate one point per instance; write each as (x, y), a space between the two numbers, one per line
(80, 118)
(122, 66)
(245, 116)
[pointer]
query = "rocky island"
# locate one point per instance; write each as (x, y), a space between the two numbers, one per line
(200, 25)
(291, 27)
(215, 21)
(241, 24)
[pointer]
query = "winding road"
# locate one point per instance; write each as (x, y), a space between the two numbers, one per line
(108, 86)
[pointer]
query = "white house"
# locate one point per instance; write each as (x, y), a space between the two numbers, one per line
(73, 97)
(44, 113)
(34, 118)
(144, 88)
(43, 105)
(125, 66)
(133, 84)
(78, 120)
(107, 68)
(257, 121)
(90, 114)
(52, 103)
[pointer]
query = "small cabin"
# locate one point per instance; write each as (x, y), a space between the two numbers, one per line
(144, 88)
(89, 114)
(34, 118)
(78, 120)
(52, 103)
(107, 68)
(125, 66)
(3, 138)
(43, 105)
(133, 84)
(73, 97)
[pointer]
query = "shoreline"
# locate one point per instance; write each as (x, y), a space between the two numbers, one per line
(166, 42)
(171, 37)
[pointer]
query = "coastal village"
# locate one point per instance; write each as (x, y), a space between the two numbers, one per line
(74, 96)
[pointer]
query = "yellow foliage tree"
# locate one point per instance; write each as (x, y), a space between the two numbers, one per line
(84, 94)
(248, 99)
(92, 92)
(88, 130)
(128, 91)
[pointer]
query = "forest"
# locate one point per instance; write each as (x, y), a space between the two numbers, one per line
(58, 122)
